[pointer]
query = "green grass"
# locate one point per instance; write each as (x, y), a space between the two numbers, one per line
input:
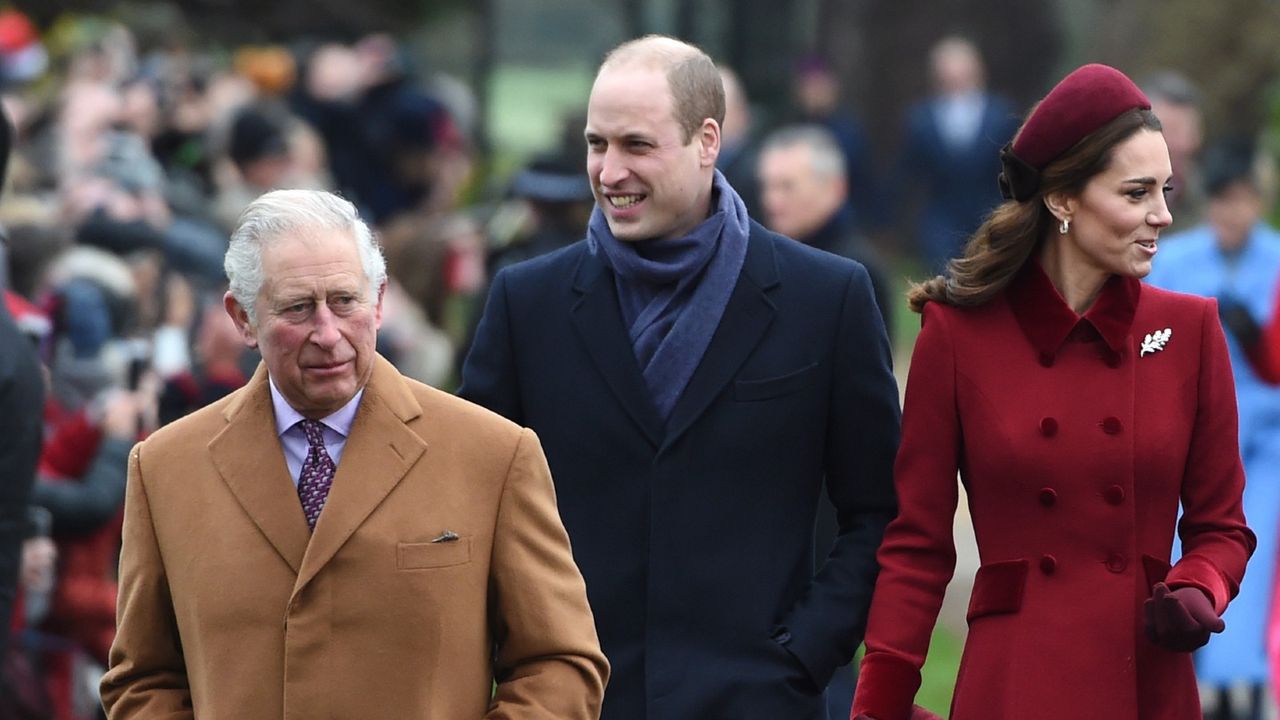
(527, 108)
(938, 676)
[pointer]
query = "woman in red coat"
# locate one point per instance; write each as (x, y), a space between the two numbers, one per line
(1079, 407)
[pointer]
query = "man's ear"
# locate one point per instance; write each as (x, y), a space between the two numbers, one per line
(377, 309)
(248, 333)
(708, 139)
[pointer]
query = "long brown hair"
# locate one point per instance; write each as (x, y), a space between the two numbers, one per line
(1014, 230)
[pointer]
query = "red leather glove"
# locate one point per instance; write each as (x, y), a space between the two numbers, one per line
(917, 713)
(1180, 620)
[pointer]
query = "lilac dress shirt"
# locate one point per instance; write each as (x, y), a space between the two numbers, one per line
(336, 429)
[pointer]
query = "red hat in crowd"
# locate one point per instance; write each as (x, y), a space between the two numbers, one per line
(29, 318)
(1083, 102)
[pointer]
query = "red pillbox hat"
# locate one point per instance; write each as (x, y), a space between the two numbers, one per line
(1084, 101)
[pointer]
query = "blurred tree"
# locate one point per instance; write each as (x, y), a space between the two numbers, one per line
(759, 46)
(1227, 48)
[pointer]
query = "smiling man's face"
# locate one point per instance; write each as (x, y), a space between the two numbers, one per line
(649, 181)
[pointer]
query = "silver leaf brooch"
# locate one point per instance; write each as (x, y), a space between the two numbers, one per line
(1155, 341)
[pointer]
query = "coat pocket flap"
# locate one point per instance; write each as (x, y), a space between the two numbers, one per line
(998, 589)
(774, 386)
(420, 556)
(1156, 569)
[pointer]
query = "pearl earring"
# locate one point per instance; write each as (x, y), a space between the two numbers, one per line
(1064, 226)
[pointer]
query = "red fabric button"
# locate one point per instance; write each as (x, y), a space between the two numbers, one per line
(1048, 427)
(1048, 564)
(1112, 425)
(1111, 358)
(1114, 494)
(1048, 496)
(1046, 359)
(1117, 563)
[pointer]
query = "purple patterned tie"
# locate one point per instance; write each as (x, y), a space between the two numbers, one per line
(317, 472)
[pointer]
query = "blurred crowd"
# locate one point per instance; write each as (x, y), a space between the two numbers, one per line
(130, 166)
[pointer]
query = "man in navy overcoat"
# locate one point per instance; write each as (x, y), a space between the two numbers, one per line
(697, 381)
(951, 152)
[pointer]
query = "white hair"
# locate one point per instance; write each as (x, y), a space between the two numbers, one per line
(280, 213)
(826, 156)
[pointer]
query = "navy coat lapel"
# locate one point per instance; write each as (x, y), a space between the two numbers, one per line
(746, 317)
(597, 319)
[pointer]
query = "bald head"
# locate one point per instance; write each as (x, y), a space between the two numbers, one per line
(697, 93)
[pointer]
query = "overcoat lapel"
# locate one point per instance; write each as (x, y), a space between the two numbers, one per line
(248, 456)
(597, 319)
(379, 452)
(746, 317)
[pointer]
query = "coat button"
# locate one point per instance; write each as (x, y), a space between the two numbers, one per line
(1114, 494)
(1117, 563)
(1046, 359)
(1111, 358)
(1048, 496)
(1112, 425)
(1048, 427)
(1048, 564)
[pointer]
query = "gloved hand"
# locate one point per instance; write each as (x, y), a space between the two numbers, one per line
(1180, 620)
(917, 713)
(1238, 321)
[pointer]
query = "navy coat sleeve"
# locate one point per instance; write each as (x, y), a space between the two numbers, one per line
(824, 629)
(489, 373)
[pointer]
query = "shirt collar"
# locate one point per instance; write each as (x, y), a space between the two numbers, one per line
(1047, 320)
(286, 416)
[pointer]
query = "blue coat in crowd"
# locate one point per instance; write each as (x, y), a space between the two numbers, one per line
(1192, 262)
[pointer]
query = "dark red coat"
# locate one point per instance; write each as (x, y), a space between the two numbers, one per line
(1075, 446)
(1265, 355)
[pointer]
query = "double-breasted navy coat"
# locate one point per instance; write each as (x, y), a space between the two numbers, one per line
(695, 535)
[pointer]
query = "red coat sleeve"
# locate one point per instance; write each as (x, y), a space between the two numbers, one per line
(917, 557)
(1265, 356)
(1216, 543)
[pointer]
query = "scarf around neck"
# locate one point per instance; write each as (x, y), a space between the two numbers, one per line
(673, 291)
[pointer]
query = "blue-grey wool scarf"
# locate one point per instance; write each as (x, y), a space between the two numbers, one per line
(674, 291)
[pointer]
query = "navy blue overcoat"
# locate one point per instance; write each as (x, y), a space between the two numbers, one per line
(695, 535)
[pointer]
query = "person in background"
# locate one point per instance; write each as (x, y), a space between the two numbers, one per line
(699, 382)
(1177, 102)
(805, 192)
(949, 154)
(1235, 257)
(22, 391)
(259, 150)
(818, 101)
(557, 199)
(1080, 407)
(217, 370)
(738, 150)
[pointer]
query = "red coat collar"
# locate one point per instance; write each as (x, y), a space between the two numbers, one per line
(1047, 320)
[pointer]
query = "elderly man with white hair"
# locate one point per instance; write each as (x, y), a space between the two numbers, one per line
(337, 540)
